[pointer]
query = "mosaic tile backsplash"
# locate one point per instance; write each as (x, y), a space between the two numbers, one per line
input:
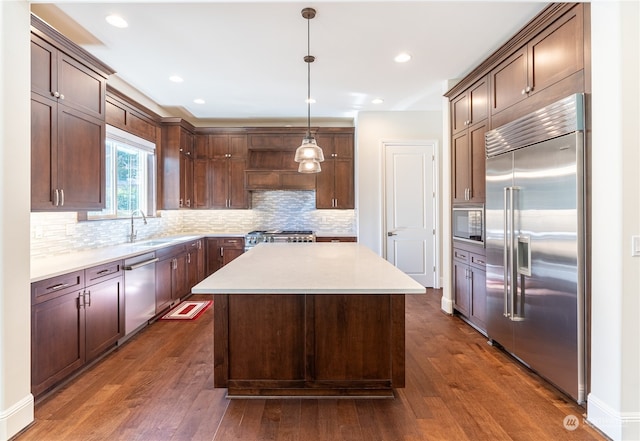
(57, 233)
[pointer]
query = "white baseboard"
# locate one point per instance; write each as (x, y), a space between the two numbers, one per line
(446, 305)
(616, 425)
(16, 418)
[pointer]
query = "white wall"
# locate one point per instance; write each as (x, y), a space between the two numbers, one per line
(614, 401)
(372, 128)
(16, 402)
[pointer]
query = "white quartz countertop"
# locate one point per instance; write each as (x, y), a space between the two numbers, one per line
(309, 268)
(51, 266)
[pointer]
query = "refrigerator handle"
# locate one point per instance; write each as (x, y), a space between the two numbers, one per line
(517, 283)
(505, 251)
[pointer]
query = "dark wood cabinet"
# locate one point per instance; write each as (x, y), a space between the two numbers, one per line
(336, 239)
(222, 250)
(470, 107)
(554, 55)
(176, 166)
(173, 275)
(468, 160)
(218, 171)
(195, 263)
(469, 291)
(75, 318)
(335, 182)
(67, 125)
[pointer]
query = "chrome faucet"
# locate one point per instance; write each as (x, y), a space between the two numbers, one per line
(133, 234)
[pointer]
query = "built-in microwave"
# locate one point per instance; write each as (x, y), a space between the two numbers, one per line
(468, 223)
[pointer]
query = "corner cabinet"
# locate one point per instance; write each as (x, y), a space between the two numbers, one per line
(68, 88)
(335, 182)
(75, 318)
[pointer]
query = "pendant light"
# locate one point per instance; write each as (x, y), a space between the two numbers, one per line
(309, 154)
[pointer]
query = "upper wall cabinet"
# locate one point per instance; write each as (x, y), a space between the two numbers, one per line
(131, 117)
(335, 182)
(554, 57)
(176, 165)
(218, 171)
(470, 107)
(68, 89)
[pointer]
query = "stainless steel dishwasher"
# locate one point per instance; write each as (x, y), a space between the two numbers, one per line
(139, 291)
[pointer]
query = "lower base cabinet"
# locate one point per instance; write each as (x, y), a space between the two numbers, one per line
(469, 290)
(178, 269)
(221, 251)
(75, 318)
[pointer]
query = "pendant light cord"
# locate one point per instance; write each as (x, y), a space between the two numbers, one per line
(308, 59)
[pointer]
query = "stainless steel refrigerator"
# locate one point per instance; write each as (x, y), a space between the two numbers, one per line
(535, 242)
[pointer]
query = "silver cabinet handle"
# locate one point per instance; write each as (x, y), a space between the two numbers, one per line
(84, 297)
(58, 286)
(57, 202)
(62, 197)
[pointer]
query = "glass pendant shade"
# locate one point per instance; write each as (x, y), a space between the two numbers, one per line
(309, 166)
(309, 150)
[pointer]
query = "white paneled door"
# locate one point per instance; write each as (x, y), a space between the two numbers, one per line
(409, 209)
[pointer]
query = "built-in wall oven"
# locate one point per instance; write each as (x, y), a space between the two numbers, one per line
(467, 223)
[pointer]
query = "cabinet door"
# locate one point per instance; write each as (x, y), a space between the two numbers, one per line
(228, 254)
(557, 52)
(238, 195)
(180, 276)
(510, 80)
(57, 340)
(219, 192)
(44, 75)
(164, 272)
(461, 300)
(44, 134)
(343, 186)
(477, 288)
(81, 156)
(80, 87)
(201, 183)
(186, 181)
(104, 316)
(477, 167)
(214, 263)
(201, 262)
(478, 102)
(325, 185)
(459, 113)
(460, 164)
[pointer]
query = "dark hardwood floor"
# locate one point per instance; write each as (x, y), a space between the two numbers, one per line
(159, 386)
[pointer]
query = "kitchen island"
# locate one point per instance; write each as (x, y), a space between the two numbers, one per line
(309, 319)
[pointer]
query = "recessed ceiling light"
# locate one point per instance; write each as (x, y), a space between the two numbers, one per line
(117, 21)
(402, 57)
(176, 79)
(377, 101)
(198, 101)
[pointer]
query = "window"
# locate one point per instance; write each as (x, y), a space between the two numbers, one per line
(130, 176)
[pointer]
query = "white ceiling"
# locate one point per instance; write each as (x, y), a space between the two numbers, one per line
(245, 59)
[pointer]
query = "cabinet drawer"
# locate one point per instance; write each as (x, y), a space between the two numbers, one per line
(102, 272)
(164, 253)
(478, 260)
(56, 286)
(232, 242)
(461, 255)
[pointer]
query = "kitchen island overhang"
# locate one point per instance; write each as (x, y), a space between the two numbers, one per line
(318, 319)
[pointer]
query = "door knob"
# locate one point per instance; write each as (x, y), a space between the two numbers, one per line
(391, 233)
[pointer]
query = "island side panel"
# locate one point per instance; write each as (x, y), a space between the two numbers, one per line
(398, 340)
(353, 344)
(266, 340)
(220, 340)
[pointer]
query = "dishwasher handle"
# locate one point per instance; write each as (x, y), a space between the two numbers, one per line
(141, 264)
